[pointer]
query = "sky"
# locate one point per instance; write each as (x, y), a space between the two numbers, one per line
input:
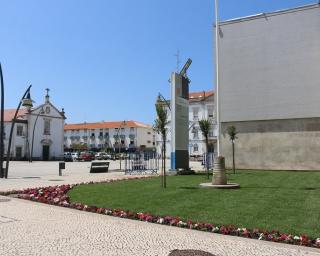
(107, 60)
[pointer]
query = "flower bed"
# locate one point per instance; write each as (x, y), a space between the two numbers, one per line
(57, 195)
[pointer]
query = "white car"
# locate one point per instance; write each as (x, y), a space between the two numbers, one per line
(102, 156)
(75, 156)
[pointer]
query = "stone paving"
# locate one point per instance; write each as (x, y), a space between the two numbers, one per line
(30, 228)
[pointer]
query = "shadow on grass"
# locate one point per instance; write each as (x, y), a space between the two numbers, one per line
(190, 187)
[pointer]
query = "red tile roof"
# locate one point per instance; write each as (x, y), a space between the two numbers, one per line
(200, 95)
(9, 114)
(101, 125)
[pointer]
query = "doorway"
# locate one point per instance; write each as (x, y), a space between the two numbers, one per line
(45, 152)
(18, 153)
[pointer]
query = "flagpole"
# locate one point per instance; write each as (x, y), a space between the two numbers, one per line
(217, 77)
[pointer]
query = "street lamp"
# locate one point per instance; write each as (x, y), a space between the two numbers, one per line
(25, 102)
(41, 112)
(1, 124)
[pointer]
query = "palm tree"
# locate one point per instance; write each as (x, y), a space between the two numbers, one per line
(232, 132)
(160, 127)
(205, 128)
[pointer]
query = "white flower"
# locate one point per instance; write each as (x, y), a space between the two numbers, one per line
(160, 220)
(296, 238)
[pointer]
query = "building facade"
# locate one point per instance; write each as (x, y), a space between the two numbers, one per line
(37, 134)
(201, 106)
(117, 136)
(269, 89)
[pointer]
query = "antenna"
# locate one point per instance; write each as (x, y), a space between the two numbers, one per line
(178, 60)
(183, 71)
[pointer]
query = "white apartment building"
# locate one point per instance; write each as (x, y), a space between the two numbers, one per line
(111, 136)
(37, 134)
(201, 106)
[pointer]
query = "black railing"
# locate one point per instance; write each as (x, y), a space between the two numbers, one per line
(141, 162)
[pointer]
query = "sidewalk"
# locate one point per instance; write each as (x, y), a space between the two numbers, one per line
(29, 228)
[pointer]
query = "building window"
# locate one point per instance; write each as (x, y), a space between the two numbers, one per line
(131, 129)
(19, 130)
(131, 142)
(149, 141)
(149, 132)
(122, 142)
(92, 134)
(195, 114)
(210, 111)
(195, 132)
(195, 148)
(46, 130)
(101, 134)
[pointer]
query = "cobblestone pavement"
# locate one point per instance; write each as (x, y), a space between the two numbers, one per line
(23, 174)
(29, 228)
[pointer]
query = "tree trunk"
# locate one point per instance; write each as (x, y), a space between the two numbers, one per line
(233, 162)
(162, 157)
(164, 161)
(207, 157)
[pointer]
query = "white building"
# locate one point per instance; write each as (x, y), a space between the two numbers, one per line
(37, 134)
(110, 136)
(201, 106)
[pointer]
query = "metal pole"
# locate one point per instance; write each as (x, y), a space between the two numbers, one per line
(1, 125)
(217, 77)
(11, 131)
(34, 126)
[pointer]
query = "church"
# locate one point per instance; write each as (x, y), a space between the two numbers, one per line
(38, 132)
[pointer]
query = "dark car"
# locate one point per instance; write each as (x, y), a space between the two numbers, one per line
(68, 157)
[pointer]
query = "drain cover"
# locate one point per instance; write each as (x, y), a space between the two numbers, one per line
(189, 253)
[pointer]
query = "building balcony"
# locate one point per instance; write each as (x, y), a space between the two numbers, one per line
(132, 136)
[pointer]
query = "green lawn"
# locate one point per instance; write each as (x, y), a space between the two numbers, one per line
(272, 200)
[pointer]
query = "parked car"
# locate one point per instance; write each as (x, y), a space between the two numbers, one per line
(75, 156)
(68, 157)
(102, 156)
(86, 156)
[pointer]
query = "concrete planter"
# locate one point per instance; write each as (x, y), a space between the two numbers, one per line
(219, 172)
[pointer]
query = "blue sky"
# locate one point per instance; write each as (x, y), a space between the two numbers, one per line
(108, 59)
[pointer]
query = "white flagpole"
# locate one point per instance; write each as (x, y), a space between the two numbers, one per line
(217, 77)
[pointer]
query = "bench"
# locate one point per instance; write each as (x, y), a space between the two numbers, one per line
(101, 166)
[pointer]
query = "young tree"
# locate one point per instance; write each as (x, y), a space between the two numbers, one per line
(205, 128)
(160, 127)
(232, 132)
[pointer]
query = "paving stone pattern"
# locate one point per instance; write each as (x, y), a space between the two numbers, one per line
(34, 229)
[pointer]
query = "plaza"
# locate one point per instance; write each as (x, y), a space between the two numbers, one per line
(30, 228)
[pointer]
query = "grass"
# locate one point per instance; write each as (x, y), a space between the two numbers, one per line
(284, 201)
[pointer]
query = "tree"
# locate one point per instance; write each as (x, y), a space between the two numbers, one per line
(205, 128)
(232, 132)
(160, 127)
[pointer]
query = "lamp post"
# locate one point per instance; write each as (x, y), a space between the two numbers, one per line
(1, 125)
(25, 102)
(217, 77)
(41, 112)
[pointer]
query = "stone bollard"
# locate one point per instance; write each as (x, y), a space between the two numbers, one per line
(219, 172)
